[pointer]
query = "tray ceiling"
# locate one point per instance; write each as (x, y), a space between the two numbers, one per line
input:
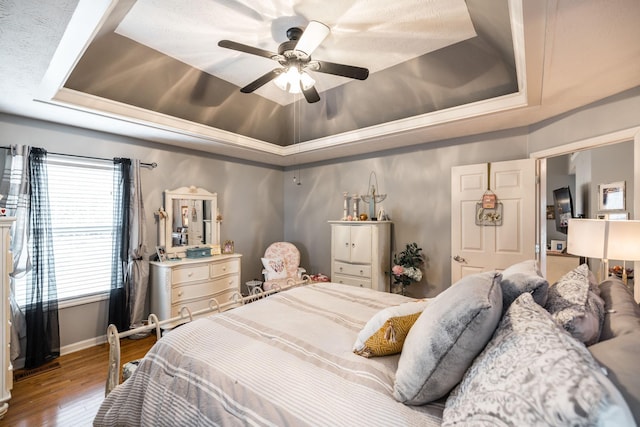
(440, 69)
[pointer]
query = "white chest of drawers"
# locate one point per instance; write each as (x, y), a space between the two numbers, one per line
(6, 267)
(192, 283)
(361, 253)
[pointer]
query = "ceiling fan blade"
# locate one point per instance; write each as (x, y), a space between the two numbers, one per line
(311, 94)
(249, 49)
(261, 81)
(339, 69)
(313, 35)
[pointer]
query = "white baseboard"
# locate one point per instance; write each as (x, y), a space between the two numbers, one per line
(81, 345)
(67, 349)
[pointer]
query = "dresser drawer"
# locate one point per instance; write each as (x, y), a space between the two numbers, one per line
(352, 281)
(204, 290)
(190, 274)
(352, 269)
(196, 305)
(226, 267)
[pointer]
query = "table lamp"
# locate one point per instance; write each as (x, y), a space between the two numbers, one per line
(603, 239)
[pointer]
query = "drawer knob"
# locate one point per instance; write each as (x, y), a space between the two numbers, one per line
(346, 244)
(224, 268)
(180, 293)
(190, 273)
(361, 272)
(353, 245)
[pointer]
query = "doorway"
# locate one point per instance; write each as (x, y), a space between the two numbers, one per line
(542, 157)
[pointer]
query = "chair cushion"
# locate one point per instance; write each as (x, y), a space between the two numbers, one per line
(533, 372)
(385, 332)
(287, 252)
(275, 268)
(447, 336)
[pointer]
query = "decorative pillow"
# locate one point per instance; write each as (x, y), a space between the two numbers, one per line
(276, 268)
(534, 373)
(523, 277)
(622, 314)
(385, 332)
(619, 356)
(446, 338)
(575, 307)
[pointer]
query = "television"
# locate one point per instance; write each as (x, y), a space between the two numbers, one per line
(563, 206)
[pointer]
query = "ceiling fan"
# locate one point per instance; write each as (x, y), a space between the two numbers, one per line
(294, 56)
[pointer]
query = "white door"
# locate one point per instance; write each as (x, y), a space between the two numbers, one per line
(476, 248)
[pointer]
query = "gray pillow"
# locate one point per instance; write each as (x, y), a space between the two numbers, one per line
(575, 306)
(622, 314)
(619, 356)
(445, 339)
(523, 277)
(532, 372)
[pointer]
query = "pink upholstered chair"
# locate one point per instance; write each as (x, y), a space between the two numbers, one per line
(282, 266)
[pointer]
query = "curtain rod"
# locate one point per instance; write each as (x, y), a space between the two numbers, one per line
(147, 165)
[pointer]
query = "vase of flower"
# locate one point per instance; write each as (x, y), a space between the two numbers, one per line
(406, 268)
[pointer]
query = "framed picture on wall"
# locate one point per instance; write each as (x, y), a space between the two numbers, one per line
(611, 197)
(551, 213)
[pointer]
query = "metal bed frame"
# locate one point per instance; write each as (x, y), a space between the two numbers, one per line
(185, 316)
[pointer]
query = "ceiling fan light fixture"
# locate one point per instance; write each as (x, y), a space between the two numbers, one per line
(290, 80)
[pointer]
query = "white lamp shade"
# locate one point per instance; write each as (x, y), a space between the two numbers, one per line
(586, 237)
(624, 241)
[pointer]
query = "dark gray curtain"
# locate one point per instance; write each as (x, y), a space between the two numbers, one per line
(41, 311)
(119, 307)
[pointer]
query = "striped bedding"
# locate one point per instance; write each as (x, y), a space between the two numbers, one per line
(285, 360)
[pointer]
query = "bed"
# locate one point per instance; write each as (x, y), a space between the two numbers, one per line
(289, 360)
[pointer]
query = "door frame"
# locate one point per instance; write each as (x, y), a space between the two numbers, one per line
(624, 135)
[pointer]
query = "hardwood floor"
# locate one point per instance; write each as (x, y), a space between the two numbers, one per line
(71, 394)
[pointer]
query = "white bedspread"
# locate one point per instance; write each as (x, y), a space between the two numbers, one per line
(285, 360)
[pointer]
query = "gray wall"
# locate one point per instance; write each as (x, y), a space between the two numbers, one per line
(417, 182)
(250, 197)
(261, 204)
(558, 175)
(612, 164)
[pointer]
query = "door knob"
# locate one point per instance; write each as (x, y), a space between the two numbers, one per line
(459, 259)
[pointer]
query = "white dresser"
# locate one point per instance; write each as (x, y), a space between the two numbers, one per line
(192, 283)
(6, 266)
(361, 253)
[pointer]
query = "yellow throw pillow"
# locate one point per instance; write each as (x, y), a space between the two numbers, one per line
(385, 332)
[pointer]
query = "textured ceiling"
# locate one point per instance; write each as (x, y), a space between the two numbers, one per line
(422, 56)
(67, 61)
(411, 28)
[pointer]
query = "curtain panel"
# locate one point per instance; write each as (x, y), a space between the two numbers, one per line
(119, 308)
(41, 310)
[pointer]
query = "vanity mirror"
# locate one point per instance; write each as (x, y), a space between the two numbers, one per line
(190, 219)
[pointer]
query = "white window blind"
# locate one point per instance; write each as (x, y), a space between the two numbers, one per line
(81, 207)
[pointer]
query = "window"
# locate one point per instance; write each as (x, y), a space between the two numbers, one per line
(81, 204)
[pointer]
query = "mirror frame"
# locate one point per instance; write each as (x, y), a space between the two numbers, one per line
(189, 193)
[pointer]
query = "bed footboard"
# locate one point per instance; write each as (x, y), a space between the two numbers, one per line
(236, 300)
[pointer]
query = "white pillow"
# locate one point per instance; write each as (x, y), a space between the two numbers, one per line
(275, 267)
(385, 332)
